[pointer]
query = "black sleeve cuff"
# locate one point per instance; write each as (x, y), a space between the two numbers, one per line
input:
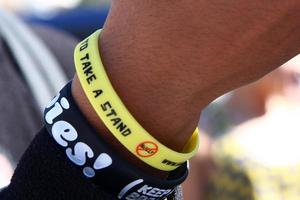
(45, 173)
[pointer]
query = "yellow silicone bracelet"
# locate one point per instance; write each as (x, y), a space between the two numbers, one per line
(117, 118)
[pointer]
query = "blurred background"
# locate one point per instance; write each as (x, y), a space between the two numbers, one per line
(55, 25)
(250, 145)
(78, 17)
(250, 142)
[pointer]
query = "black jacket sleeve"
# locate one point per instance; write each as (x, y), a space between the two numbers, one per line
(45, 173)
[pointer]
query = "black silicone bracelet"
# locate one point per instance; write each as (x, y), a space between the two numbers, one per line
(97, 161)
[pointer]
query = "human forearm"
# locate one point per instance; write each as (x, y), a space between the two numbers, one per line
(167, 62)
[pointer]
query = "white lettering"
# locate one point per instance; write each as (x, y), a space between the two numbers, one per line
(153, 192)
(56, 110)
(81, 150)
(137, 196)
(144, 189)
(133, 196)
(103, 161)
(53, 101)
(62, 132)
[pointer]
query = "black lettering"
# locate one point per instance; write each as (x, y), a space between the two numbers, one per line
(115, 121)
(126, 132)
(86, 57)
(97, 93)
(121, 127)
(88, 71)
(171, 163)
(167, 162)
(84, 45)
(91, 78)
(105, 106)
(112, 112)
(86, 65)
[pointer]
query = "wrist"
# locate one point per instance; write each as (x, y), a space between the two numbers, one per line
(91, 116)
(117, 118)
(84, 51)
(97, 161)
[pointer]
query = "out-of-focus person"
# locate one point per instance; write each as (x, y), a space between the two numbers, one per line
(27, 52)
(45, 31)
(233, 109)
(260, 158)
(76, 17)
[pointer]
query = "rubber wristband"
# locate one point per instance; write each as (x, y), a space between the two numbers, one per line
(117, 118)
(97, 160)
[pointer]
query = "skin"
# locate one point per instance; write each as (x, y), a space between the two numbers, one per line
(282, 94)
(168, 60)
